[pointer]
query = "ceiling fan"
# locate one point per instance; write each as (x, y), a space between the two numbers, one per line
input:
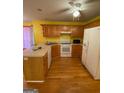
(75, 5)
(75, 8)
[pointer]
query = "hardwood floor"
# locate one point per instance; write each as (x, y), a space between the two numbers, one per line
(67, 75)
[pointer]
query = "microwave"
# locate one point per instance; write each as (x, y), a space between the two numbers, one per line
(76, 41)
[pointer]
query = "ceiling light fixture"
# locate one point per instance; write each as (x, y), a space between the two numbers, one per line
(76, 14)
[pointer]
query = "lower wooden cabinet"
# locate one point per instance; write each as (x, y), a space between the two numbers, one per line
(35, 68)
(45, 64)
(55, 51)
(76, 50)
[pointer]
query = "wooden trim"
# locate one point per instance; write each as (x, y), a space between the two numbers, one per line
(28, 26)
(92, 20)
(92, 24)
(59, 23)
(34, 81)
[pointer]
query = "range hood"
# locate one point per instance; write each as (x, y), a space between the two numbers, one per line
(63, 32)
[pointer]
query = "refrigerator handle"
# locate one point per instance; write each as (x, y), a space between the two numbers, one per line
(86, 43)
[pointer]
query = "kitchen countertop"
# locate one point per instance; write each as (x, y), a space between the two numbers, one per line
(38, 53)
(63, 43)
(76, 44)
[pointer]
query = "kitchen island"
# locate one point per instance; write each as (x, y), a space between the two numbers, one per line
(36, 62)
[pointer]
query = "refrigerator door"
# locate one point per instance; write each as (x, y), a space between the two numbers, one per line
(92, 59)
(85, 47)
(84, 51)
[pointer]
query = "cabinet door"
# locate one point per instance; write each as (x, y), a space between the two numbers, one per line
(45, 64)
(55, 51)
(45, 30)
(77, 31)
(33, 69)
(64, 28)
(76, 51)
(50, 31)
(54, 31)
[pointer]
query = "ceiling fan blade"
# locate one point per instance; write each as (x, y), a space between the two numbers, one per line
(90, 1)
(71, 3)
(62, 11)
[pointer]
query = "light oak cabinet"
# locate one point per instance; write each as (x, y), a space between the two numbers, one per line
(45, 64)
(50, 31)
(65, 28)
(76, 50)
(77, 31)
(35, 68)
(55, 50)
(55, 30)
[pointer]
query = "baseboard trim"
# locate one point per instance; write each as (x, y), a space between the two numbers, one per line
(35, 81)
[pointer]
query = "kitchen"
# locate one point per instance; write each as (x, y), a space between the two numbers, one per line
(58, 55)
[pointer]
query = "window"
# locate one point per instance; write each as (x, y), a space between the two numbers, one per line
(28, 37)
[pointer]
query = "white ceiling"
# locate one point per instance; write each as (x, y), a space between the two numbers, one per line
(54, 10)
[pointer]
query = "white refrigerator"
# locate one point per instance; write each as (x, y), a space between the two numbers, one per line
(91, 51)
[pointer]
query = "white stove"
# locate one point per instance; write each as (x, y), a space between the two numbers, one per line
(66, 49)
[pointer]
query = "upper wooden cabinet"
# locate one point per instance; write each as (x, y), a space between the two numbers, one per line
(64, 28)
(50, 31)
(55, 30)
(77, 31)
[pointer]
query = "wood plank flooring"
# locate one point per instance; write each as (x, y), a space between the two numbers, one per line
(67, 75)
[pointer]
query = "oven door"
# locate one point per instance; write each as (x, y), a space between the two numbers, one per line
(65, 50)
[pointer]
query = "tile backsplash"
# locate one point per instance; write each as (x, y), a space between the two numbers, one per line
(57, 39)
